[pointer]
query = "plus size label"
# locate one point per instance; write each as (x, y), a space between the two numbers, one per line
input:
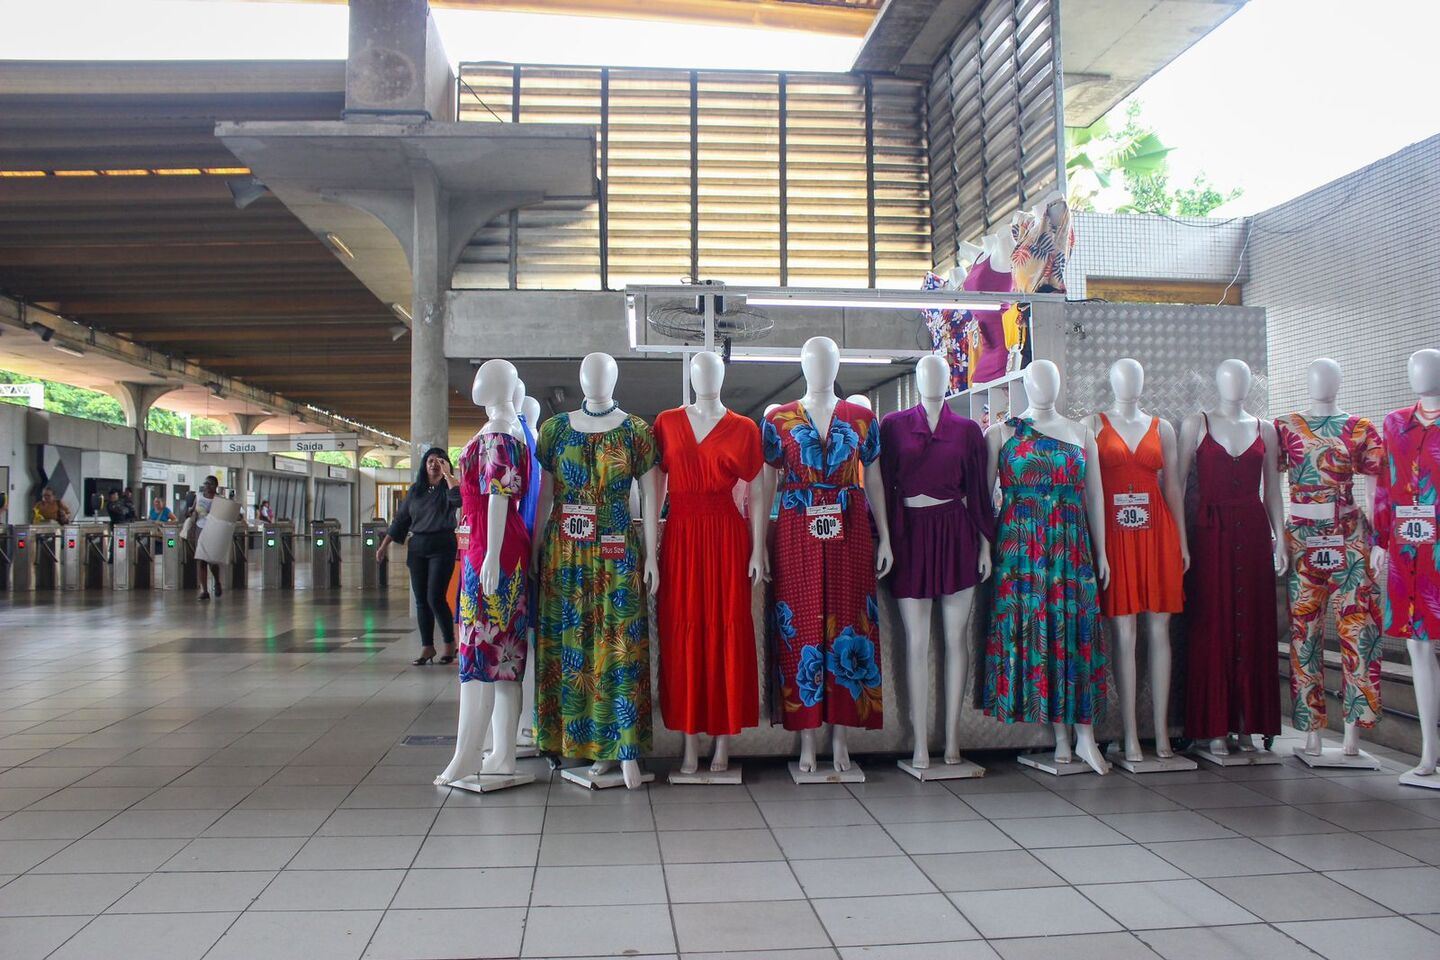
(612, 546)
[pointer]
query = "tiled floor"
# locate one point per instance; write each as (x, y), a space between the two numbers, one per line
(181, 804)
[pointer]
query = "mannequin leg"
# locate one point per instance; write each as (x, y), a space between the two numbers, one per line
(1125, 683)
(477, 700)
(1352, 739)
(601, 767)
(720, 759)
(1063, 752)
(1220, 746)
(1089, 750)
(1159, 632)
(691, 761)
(1425, 669)
(807, 751)
(504, 723)
(915, 614)
(631, 770)
(955, 616)
(840, 748)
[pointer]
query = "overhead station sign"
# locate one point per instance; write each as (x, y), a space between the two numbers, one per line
(280, 443)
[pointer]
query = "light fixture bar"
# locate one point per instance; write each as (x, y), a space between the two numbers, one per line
(399, 310)
(68, 350)
(630, 320)
(334, 240)
(896, 303)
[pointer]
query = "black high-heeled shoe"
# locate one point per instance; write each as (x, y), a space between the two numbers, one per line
(447, 658)
(422, 661)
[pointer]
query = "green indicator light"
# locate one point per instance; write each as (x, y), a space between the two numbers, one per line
(369, 541)
(320, 542)
(270, 542)
(170, 541)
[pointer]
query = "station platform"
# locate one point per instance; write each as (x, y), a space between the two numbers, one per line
(237, 779)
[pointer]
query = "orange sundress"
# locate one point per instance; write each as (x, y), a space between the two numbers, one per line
(1142, 544)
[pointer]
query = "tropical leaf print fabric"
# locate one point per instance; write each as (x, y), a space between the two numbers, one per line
(1044, 661)
(493, 625)
(823, 617)
(1410, 479)
(592, 641)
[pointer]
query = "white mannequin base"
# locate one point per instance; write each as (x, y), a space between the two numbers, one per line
(1045, 763)
(526, 750)
(827, 774)
(490, 782)
(705, 777)
(1150, 763)
(964, 770)
(1426, 781)
(1239, 758)
(1336, 757)
(600, 781)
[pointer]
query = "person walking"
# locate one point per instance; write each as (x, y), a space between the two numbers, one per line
(427, 516)
(196, 513)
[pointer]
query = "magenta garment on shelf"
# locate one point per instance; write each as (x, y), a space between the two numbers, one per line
(984, 278)
(936, 548)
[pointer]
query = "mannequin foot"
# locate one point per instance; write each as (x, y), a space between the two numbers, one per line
(807, 752)
(1352, 740)
(1246, 743)
(952, 754)
(1220, 747)
(1063, 752)
(720, 759)
(690, 762)
(455, 771)
(1133, 753)
(1089, 751)
(841, 751)
(601, 767)
(1163, 750)
(921, 759)
(1425, 769)
(631, 770)
(1312, 743)
(495, 764)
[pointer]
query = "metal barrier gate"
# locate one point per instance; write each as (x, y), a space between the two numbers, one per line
(134, 555)
(177, 560)
(84, 556)
(240, 556)
(374, 573)
(277, 570)
(324, 554)
(45, 548)
(7, 554)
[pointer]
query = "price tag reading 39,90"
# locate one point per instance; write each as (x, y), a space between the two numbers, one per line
(577, 522)
(826, 521)
(1132, 511)
(1415, 524)
(1326, 554)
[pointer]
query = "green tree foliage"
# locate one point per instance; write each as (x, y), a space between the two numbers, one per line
(94, 405)
(1102, 158)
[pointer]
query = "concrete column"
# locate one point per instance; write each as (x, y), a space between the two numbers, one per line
(355, 495)
(248, 422)
(310, 490)
(429, 374)
(136, 399)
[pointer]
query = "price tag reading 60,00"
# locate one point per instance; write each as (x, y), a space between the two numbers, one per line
(577, 522)
(826, 521)
(1132, 511)
(1415, 524)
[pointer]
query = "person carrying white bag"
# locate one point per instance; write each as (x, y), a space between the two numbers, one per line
(210, 527)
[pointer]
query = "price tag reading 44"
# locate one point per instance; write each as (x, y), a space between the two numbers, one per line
(1132, 511)
(577, 522)
(1326, 554)
(826, 521)
(1416, 524)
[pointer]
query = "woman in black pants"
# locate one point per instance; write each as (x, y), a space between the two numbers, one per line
(427, 516)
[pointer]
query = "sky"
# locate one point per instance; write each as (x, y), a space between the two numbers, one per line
(1283, 97)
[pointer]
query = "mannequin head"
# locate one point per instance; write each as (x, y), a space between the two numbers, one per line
(707, 373)
(530, 407)
(1323, 380)
(1042, 383)
(1127, 379)
(519, 397)
(932, 377)
(771, 408)
(1232, 379)
(820, 362)
(495, 384)
(598, 374)
(1424, 370)
(860, 400)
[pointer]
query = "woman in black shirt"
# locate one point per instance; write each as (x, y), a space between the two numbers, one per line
(427, 516)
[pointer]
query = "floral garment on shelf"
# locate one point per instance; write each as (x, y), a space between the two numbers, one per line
(493, 626)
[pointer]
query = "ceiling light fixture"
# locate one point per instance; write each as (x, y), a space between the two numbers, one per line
(399, 310)
(895, 303)
(77, 173)
(67, 349)
(339, 245)
(245, 191)
(630, 320)
(126, 173)
(215, 387)
(22, 173)
(398, 331)
(746, 356)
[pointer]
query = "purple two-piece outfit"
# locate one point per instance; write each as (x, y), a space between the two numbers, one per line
(937, 548)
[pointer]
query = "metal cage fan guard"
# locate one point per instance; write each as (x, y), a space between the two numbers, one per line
(684, 319)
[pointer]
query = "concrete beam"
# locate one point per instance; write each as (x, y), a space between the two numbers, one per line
(397, 68)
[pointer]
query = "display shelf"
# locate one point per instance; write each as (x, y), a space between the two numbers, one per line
(1336, 757)
(989, 385)
(827, 773)
(964, 770)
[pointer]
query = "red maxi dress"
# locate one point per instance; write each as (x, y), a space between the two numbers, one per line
(1232, 683)
(709, 680)
(823, 615)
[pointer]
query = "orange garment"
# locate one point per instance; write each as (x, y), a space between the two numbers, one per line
(1141, 541)
(709, 679)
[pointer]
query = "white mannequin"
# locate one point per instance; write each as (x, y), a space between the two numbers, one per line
(495, 704)
(820, 364)
(1234, 429)
(1042, 387)
(707, 375)
(999, 247)
(932, 378)
(860, 400)
(1127, 381)
(529, 407)
(598, 373)
(1424, 372)
(1322, 380)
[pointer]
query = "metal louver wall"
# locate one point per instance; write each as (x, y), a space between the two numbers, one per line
(747, 177)
(995, 104)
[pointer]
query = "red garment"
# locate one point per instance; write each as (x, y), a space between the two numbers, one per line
(1233, 680)
(1405, 525)
(1146, 570)
(709, 681)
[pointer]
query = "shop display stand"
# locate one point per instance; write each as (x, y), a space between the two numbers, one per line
(1424, 781)
(1336, 757)
(1045, 762)
(490, 782)
(827, 774)
(964, 770)
(705, 777)
(1239, 758)
(604, 781)
(1150, 763)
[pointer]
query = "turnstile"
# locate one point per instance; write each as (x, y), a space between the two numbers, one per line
(44, 547)
(374, 573)
(324, 554)
(134, 553)
(177, 563)
(240, 556)
(277, 570)
(22, 558)
(7, 553)
(85, 553)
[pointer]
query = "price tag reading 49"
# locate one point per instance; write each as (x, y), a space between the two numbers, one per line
(1416, 524)
(1132, 511)
(1326, 554)
(826, 521)
(577, 522)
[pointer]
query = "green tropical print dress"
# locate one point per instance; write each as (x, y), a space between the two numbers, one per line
(592, 640)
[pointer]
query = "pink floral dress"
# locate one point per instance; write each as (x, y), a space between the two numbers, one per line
(493, 625)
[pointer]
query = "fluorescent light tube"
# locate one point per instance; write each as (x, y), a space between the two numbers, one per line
(399, 310)
(334, 240)
(886, 304)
